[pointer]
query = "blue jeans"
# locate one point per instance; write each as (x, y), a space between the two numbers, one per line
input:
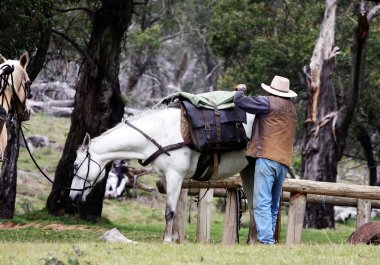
(269, 176)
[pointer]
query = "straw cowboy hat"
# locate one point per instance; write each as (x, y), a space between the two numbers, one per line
(279, 87)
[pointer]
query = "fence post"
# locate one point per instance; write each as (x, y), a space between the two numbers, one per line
(180, 218)
(230, 228)
(297, 205)
(204, 215)
(363, 212)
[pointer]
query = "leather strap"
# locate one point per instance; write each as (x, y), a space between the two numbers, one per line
(147, 137)
(159, 152)
(217, 122)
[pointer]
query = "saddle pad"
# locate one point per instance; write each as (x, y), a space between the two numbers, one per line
(222, 99)
(185, 128)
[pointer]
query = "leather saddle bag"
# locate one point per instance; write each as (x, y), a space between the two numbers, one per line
(214, 129)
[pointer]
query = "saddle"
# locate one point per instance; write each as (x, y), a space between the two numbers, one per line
(211, 132)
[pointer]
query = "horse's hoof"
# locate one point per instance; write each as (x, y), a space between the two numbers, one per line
(167, 241)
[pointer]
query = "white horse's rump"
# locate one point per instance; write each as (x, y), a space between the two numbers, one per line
(124, 142)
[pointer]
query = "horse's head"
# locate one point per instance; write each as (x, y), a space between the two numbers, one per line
(87, 172)
(16, 86)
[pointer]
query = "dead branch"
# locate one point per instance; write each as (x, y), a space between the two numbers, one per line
(323, 51)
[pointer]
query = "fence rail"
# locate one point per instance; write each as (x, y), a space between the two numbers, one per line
(296, 192)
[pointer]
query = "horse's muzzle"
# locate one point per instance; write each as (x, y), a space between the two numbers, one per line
(77, 200)
(23, 115)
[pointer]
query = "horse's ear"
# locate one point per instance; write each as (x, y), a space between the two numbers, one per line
(86, 141)
(24, 60)
(2, 59)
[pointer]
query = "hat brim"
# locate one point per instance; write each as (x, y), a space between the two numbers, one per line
(290, 94)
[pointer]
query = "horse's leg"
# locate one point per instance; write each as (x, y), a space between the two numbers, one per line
(247, 176)
(173, 189)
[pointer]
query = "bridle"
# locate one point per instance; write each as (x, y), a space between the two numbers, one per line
(85, 180)
(4, 77)
(76, 168)
(7, 73)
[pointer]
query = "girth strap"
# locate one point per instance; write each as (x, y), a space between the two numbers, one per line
(164, 149)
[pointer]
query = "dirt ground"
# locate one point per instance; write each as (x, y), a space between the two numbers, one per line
(57, 227)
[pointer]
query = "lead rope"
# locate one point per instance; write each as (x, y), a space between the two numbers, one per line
(50, 180)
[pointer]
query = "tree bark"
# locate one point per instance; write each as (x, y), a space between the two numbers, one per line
(326, 129)
(98, 103)
(8, 175)
(366, 143)
(319, 148)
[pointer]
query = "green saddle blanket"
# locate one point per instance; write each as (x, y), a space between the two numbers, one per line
(222, 99)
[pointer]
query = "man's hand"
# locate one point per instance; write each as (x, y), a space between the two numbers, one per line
(240, 87)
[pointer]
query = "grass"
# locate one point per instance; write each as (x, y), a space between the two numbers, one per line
(34, 237)
(152, 253)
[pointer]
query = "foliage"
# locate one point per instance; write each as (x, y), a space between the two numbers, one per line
(262, 38)
(21, 25)
(140, 40)
(258, 39)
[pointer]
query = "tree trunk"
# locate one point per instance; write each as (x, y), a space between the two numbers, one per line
(366, 143)
(326, 130)
(8, 175)
(98, 102)
(319, 148)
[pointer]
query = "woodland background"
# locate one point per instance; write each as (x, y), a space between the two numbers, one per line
(95, 61)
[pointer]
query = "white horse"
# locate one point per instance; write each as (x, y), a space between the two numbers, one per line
(14, 91)
(125, 142)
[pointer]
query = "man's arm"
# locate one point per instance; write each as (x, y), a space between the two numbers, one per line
(254, 105)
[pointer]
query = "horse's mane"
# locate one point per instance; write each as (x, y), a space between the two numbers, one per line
(135, 116)
(146, 112)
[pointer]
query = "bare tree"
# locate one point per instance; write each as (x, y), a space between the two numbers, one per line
(327, 127)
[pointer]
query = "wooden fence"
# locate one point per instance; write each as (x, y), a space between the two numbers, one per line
(296, 192)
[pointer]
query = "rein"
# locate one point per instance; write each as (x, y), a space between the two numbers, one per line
(88, 155)
(8, 72)
(161, 150)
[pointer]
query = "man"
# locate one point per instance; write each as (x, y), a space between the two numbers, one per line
(270, 149)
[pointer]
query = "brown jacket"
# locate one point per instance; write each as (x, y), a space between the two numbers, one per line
(273, 133)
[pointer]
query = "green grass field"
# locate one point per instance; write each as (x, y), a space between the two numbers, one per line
(34, 237)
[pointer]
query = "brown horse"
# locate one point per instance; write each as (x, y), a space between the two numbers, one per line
(14, 92)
